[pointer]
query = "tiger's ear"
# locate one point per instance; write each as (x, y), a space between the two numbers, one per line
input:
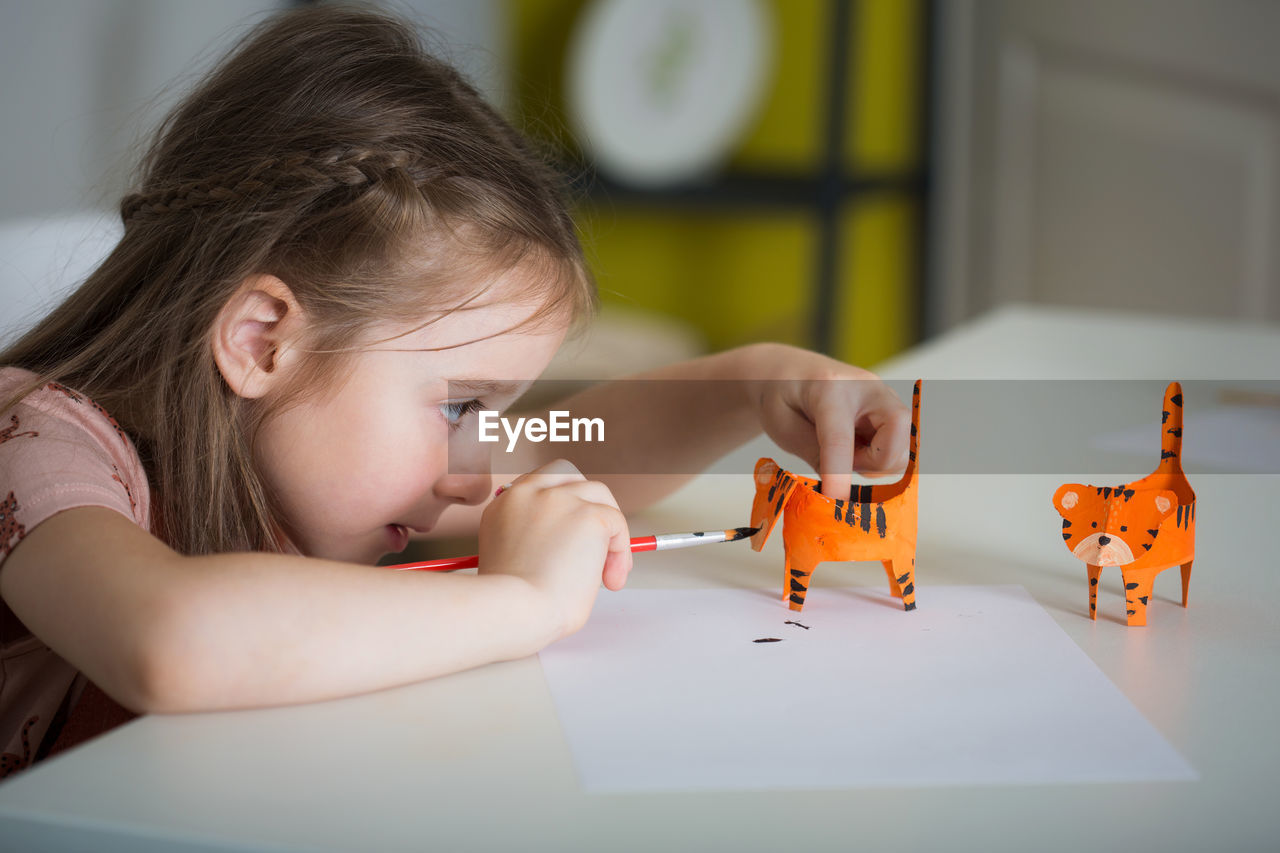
(1067, 497)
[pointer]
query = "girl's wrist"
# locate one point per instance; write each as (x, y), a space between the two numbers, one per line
(525, 613)
(753, 367)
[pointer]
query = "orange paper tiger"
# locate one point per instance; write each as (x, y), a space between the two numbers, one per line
(1143, 527)
(875, 523)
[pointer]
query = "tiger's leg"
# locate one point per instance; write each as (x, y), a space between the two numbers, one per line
(1186, 580)
(795, 581)
(1095, 572)
(1137, 592)
(894, 587)
(903, 579)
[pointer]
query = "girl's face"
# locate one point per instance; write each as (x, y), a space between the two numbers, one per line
(359, 467)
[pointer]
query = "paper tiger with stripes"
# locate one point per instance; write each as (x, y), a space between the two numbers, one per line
(877, 522)
(1143, 527)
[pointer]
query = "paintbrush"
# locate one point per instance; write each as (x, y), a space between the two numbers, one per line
(656, 542)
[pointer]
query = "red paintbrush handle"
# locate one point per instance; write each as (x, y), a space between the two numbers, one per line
(448, 564)
(657, 542)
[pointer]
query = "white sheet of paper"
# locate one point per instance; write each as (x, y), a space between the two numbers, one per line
(666, 690)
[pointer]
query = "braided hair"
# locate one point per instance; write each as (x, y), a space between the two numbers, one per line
(330, 149)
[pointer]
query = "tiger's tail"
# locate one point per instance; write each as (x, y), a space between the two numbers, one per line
(915, 433)
(1171, 430)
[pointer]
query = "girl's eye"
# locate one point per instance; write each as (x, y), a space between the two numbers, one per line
(455, 412)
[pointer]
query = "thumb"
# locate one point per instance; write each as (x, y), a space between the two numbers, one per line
(617, 568)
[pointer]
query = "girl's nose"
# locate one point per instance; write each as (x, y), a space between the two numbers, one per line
(468, 475)
(471, 489)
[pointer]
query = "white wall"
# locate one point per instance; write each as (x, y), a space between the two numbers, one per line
(84, 80)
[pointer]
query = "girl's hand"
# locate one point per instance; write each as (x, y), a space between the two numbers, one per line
(562, 534)
(836, 417)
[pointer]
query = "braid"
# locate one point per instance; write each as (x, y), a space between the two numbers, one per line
(339, 168)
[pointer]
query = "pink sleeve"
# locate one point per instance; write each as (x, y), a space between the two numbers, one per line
(59, 450)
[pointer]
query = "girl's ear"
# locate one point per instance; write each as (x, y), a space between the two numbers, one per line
(253, 335)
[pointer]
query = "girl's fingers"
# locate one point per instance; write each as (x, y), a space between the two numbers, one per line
(885, 449)
(868, 435)
(555, 473)
(617, 568)
(618, 561)
(794, 433)
(836, 456)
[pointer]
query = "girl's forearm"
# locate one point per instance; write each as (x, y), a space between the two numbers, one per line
(164, 633)
(266, 629)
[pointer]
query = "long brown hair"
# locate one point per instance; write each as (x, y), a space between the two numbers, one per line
(329, 149)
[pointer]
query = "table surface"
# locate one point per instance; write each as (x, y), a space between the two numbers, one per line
(477, 761)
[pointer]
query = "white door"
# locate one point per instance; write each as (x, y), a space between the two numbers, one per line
(1116, 154)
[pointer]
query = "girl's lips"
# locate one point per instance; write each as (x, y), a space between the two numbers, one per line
(398, 534)
(398, 537)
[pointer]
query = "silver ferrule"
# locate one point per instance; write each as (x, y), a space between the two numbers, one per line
(668, 541)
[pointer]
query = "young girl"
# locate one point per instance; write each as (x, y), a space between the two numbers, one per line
(205, 447)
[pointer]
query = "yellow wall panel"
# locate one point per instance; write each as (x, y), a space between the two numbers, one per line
(875, 306)
(739, 279)
(884, 85)
(787, 132)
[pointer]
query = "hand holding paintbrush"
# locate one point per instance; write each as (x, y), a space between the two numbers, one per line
(656, 542)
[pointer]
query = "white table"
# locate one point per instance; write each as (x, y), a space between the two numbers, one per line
(477, 761)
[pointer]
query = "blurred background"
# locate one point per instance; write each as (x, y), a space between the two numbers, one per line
(853, 176)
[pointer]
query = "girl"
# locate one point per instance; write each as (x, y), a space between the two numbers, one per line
(205, 447)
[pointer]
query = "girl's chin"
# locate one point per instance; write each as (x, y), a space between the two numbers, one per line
(365, 553)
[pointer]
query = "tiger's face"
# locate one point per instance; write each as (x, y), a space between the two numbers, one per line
(1105, 526)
